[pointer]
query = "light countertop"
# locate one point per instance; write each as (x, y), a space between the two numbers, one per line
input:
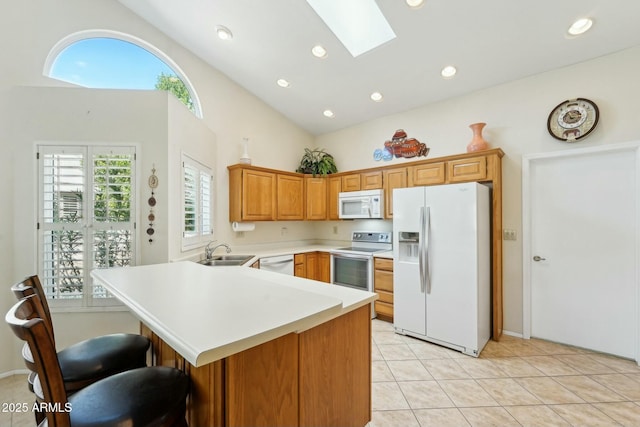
(207, 313)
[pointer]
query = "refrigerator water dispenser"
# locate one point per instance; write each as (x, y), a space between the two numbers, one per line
(408, 245)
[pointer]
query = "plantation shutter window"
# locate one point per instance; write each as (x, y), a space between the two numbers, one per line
(197, 207)
(87, 212)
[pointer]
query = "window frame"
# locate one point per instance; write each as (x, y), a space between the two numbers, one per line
(88, 225)
(201, 237)
(70, 39)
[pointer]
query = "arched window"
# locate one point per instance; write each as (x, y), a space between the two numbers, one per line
(113, 60)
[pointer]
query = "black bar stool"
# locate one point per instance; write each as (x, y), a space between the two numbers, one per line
(153, 396)
(87, 361)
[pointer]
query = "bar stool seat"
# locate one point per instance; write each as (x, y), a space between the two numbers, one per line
(139, 397)
(96, 358)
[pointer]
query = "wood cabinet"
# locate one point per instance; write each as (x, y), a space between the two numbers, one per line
(468, 169)
(300, 265)
(392, 178)
(323, 273)
(371, 180)
(313, 265)
(290, 197)
(426, 174)
(335, 187)
(252, 195)
(316, 198)
(351, 182)
(383, 286)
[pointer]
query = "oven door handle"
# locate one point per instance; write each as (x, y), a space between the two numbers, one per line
(355, 256)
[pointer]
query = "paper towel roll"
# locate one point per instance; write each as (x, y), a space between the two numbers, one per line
(243, 226)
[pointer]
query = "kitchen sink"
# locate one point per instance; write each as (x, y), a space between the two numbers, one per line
(226, 260)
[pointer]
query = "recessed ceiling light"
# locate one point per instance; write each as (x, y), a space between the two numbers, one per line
(414, 4)
(328, 113)
(319, 51)
(448, 72)
(223, 32)
(283, 83)
(376, 96)
(580, 26)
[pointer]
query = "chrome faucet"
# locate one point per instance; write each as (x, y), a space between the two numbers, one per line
(208, 250)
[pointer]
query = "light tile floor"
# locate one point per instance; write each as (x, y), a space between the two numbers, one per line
(514, 382)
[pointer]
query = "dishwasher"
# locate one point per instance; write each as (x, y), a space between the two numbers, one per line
(279, 264)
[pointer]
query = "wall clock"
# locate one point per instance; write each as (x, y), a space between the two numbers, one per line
(573, 119)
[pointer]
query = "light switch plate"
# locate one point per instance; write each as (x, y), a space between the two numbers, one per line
(509, 234)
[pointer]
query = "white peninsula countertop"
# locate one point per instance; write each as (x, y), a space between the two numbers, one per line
(209, 313)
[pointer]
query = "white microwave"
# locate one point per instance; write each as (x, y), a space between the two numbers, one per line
(361, 204)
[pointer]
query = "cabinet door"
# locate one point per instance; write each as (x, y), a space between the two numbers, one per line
(258, 196)
(290, 197)
(335, 187)
(471, 169)
(392, 178)
(324, 267)
(316, 200)
(351, 182)
(299, 265)
(371, 180)
(429, 174)
(311, 259)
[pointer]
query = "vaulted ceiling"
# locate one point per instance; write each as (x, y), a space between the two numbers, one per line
(489, 42)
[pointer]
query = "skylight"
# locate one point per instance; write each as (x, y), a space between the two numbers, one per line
(358, 24)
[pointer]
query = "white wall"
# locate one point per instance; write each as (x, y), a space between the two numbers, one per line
(516, 115)
(29, 29)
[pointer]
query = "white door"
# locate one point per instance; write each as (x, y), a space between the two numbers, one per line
(581, 259)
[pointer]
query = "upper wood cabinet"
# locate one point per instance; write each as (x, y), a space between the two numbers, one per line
(351, 182)
(371, 180)
(252, 195)
(469, 169)
(290, 197)
(335, 187)
(426, 174)
(392, 178)
(316, 198)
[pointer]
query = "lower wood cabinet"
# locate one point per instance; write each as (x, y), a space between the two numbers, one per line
(313, 265)
(319, 377)
(383, 286)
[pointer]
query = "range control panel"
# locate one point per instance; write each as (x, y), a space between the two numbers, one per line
(371, 236)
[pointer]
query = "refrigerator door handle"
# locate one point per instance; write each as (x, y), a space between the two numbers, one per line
(421, 252)
(427, 230)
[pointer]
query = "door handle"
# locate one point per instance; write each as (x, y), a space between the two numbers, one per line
(537, 258)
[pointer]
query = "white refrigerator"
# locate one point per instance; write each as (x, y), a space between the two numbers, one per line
(442, 265)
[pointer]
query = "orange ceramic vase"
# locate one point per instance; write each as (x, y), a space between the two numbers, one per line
(477, 143)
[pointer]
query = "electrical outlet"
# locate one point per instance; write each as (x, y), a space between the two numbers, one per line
(509, 235)
(335, 229)
(283, 231)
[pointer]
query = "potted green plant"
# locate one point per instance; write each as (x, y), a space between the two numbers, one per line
(317, 162)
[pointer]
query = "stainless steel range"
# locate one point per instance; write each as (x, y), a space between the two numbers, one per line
(353, 266)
